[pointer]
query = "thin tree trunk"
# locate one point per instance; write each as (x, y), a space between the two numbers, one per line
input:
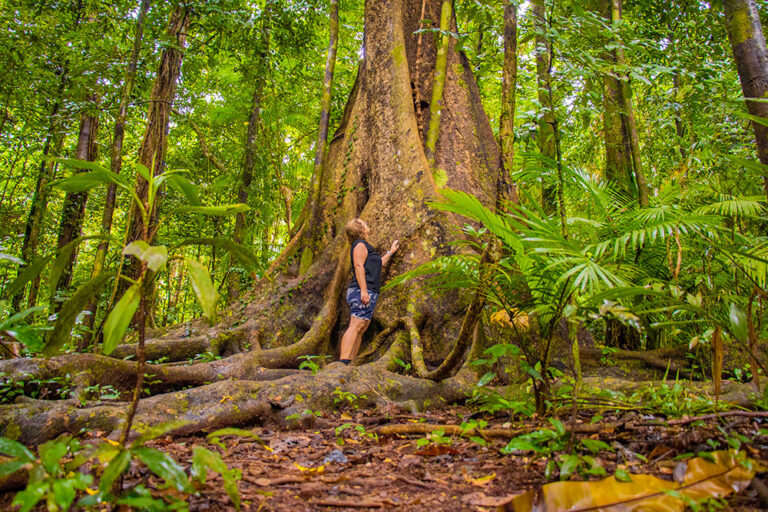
(73, 210)
(154, 145)
(629, 112)
(546, 135)
(321, 149)
(261, 65)
(53, 144)
(436, 105)
(116, 163)
(749, 51)
(679, 125)
(506, 190)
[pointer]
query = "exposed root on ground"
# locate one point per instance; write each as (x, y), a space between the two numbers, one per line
(236, 402)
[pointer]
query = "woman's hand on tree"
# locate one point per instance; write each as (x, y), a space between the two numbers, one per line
(395, 246)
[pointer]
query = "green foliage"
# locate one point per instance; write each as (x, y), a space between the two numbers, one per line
(362, 433)
(55, 475)
(348, 398)
(308, 363)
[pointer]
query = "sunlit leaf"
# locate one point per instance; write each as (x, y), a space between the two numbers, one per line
(120, 317)
(155, 256)
(206, 293)
(70, 311)
(216, 211)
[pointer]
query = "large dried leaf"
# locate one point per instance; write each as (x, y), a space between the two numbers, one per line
(730, 472)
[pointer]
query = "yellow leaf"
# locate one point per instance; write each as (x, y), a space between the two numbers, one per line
(91, 491)
(483, 480)
(519, 318)
(318, 469)
(226, 398)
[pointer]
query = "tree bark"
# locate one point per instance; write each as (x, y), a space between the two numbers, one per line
(154, 145)
(73, 210)
(115, 165)
(749, 51)
(506, 191)
(546, 135)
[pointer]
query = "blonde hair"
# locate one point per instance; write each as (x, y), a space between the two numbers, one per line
(355, 230)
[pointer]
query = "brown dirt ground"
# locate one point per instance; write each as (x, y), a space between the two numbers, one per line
(393, 472)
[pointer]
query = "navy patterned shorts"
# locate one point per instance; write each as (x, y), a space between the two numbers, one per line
(356, 306)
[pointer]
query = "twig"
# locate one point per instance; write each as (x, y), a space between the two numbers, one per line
(349, 503)
(411, 481)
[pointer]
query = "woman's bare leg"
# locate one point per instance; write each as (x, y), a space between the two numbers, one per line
(350, 342)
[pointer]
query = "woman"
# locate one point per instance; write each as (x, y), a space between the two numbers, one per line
(363, 290)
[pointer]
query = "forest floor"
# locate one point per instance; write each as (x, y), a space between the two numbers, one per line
(343, 464)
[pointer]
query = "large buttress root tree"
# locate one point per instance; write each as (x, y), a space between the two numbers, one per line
(376, 169)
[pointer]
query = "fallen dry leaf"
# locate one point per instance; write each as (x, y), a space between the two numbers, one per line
(730, 472)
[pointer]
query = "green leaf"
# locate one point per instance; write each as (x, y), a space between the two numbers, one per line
(206, 293)
(81, 164)
(114, 469)
(119, 318)
(155, 256)
(51, 453)
(204, 459)
(15, 449)
(568, 466)
(738, 323)
(27, 335)
(26, 274)
(29, 497)
(241, 253)
(185, 187)
(622, 475)
(11, 466)
(231, 431)
(63, 257)
(142, 170)
(71, 309)
(64, 492)
(216, 211)
(164, 466)
(485, 379)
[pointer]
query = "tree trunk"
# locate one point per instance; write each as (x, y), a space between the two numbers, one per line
(154, 145)
(53, 145)
(546, 135)
(629, 113)
(749, 51)
(73, 210)
(377, 170)
(506, 191)
(260, 67)
(321, 151)
(116, 164)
